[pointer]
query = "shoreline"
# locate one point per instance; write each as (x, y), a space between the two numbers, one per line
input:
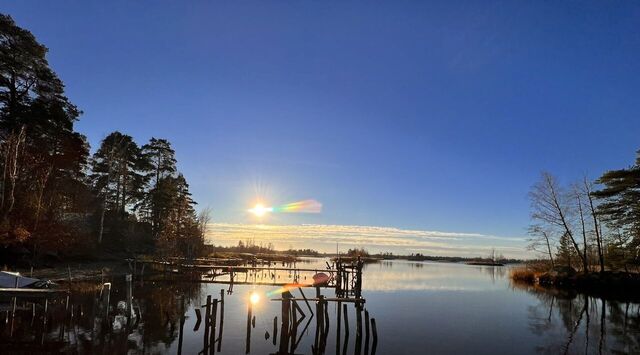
(614, 285)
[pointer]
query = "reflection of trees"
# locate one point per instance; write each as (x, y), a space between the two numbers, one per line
(90, 329)
(571, 323)
(160, 306)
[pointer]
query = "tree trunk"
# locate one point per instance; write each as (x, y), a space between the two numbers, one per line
(14, 147)
(101, 230)
(595, 225)
(546, 238)
(562, 217)
(585, 263)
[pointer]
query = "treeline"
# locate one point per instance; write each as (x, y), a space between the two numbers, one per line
(450, 259)
(251, 247)
(591, 226)
(57, 199)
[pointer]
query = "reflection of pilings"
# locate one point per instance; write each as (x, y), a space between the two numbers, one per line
(284, 329)
(338, 325)
(181, 325)
(198, 320)
(293, 333)
(275, 329)
(358, 330)
(207, 323)
(374, 329)
(366, 331)
(221, 320)
(346, 328)
(129, 296)
(214, 315)
(248, 339)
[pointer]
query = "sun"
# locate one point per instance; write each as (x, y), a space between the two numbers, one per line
(254, 298)
(259, 210)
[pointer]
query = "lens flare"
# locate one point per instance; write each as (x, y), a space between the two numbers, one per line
(254, 298)
(305, 206)
(286, 288)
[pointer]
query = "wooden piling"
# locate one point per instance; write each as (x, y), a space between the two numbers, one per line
(284, 328)
(198, 320)
(180, 336)
(346, 328)
(338, 326)
(374, 330)
(129, 300)
(275, 329)
(248, 338)
(366, 331)
(207, 323)
(214, 315)
(358, 330)
(293, 329)
(221, 320)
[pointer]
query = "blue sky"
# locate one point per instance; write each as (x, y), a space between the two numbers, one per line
(418, 115)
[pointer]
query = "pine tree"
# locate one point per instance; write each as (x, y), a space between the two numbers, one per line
(566, 253)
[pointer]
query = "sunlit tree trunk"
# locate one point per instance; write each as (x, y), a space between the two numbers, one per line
(585, 263)
(596, 224)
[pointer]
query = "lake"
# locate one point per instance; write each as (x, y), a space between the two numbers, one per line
(418, 307)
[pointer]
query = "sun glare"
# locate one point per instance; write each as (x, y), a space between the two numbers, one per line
(254, 298)
(259, 210)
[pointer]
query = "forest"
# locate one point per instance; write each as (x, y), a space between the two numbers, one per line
(588, 226)
(57, 199)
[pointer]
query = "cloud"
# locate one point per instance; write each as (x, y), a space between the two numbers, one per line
(324, 238)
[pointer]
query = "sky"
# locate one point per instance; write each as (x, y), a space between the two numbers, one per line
(423, 117)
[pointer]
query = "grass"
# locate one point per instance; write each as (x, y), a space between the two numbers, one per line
(524, 274)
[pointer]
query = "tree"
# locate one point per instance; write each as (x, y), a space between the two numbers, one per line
(119, 169)
(619, 208)
(566, 252)
(161, 158)
(118, 175)
(541, 241)
(178, 229)
(42, 156)
(587, 190)
(551, 208)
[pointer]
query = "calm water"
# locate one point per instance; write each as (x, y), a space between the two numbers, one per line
(419, 307)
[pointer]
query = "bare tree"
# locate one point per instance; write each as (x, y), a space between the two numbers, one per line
(204, 218)
(550, 207)
(588, 192)
(541, 241)
(585, 263)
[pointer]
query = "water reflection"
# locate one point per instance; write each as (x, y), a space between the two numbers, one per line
(444, 308)
(581, 324)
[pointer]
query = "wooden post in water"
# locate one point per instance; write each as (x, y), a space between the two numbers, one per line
(366, 331)
(338, 325)
(248, 339)
(214, 315)
(374, 329)
(275, 329)
(358, 330)
(319, 327)
(198, 320)
(293, 332)
(180, 337)
(221, 320)
(326, 317)
(129, 301)
(207, 323)
(346, 328)
(284, 328)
